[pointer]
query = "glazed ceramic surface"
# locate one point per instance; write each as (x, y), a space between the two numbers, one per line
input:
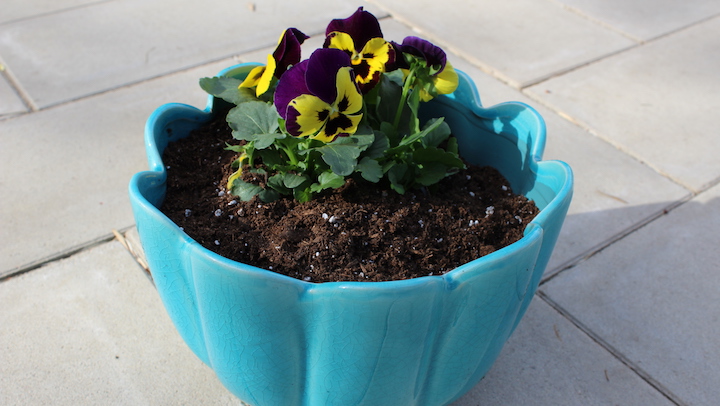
(276, 340)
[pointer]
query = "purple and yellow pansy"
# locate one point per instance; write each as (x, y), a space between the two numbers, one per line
(318, 97)
(438, 75)
(286, 54)
(361, 38)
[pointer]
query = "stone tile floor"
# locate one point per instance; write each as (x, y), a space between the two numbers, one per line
(628, 310)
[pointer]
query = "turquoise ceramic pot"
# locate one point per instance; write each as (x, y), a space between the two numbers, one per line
(275, 340)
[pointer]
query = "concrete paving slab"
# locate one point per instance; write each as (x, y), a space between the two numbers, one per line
(63, 56)
(606, 200)
(91, 329)
(64, 171)
(548, 361)
(10, 102)
(645, 19)
(521, 41)
(654, 102)
(14, 10)
(653, 297)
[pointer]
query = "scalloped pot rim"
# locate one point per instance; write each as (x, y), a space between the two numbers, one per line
(220, 306)
(533, 231)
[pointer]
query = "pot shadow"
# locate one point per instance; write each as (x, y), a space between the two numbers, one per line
(548, 351)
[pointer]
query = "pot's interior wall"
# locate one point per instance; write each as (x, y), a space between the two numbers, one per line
(494, 142)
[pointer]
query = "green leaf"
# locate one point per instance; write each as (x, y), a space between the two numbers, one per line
(390, 94)
(253, 118)
(277, 182)
(430, 127)
(246, 191)
(428, 155)
(235, 148)
(396, 175)
(452, 146)
(379, 146)
(342, 158)
(390, 132)
(302, 195)
(413, 102)
(292, 180)
(271, 158)
(328, 180)
(268, 195)
(437, 135)
(363, 141)
(370, 170)
(262, 141)
(227, 89)
(431, 174)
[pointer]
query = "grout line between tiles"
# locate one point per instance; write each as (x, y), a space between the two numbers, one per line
(66, 253)
(48, 13)
(237, 56)
(644, 375)
(577, 11)
(591, 252)
(18, 88)
(620, 147)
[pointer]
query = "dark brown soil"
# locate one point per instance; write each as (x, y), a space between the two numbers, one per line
(356, 233)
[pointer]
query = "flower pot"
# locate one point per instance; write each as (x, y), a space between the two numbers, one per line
(276, 340)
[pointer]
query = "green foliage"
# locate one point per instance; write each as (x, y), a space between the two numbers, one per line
(227, 89)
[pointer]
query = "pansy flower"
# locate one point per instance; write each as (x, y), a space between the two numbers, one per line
(287, 53)
(318, 97)
(442, 76)
(361, 38)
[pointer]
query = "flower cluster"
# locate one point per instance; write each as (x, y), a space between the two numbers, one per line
(349, 110)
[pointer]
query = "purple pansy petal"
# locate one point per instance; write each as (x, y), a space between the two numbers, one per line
(322, 69)
(362, 27)
(291, 124)
(288, 50)
(398, 60)
(434, 55)
(291, 85)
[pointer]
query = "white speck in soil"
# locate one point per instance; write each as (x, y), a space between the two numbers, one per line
(489, 210)
(217, 242)
(218, 213)
(472, 194)
(232, 202)
(504, 188)
(306, 278)
(221, 193)
(325, 216)
(188, 212)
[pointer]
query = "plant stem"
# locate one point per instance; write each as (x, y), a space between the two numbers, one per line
(403, 98)
(290, 154)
